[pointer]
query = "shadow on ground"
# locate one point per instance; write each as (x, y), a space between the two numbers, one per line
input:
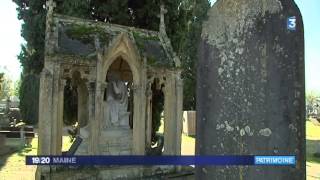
(5, 153)
(312, 147)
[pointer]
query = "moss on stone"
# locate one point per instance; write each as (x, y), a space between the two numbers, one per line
(86, 34)
(151, 60)
(142, 38)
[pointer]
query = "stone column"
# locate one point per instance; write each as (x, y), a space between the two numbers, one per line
(170, 118)
(45, 118)
(179, 112)
(91, 121)
(149, 116)
(56, 129)
(45, 113)
(98, 114)
(250, 88)
(62, 83)
(83, 111)
(139, 99)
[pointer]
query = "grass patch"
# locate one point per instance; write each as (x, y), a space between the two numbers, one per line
(312, 131)
(312, 142)
(312, 159)
(188, 139)
(66, 143)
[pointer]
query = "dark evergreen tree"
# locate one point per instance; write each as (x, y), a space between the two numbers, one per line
(1, 81)
(29, 101)
(33, 14)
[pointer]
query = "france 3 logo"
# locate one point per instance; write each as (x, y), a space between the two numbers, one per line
(291, 23)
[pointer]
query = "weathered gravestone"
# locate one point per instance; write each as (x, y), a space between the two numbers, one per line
(250, 93)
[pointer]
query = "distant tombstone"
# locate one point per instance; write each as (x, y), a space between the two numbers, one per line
(250, 92)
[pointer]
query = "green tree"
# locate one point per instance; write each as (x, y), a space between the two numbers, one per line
(194, 13)
(6, 87)
(312, 103)
(29, 98)
(1, 81)
(33, 14)
(16, 90)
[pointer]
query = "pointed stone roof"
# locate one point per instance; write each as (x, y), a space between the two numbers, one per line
(79, 37)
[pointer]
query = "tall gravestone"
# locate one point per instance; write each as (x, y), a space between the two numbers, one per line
(251, 91)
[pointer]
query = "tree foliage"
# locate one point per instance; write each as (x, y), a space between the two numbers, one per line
(33, 14)
(1, 82)
(183, 26)
(7, 87)
(313, 103)
(17, 85)
(29, 98)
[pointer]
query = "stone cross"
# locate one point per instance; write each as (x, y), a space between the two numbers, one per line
(162, 26)
(50, 5)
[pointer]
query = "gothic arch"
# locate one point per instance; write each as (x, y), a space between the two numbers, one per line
(124, 48)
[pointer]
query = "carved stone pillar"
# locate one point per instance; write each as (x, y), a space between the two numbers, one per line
(56, 140)
(45, 116)
(83, 110)
(170, 118)
(149, 116)
(62, 83)
(91, 121)
(98, 97)
(179, 112)
(139, 99)
(173, 102)
(98, 113)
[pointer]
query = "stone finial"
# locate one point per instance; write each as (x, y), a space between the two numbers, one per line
(50, 6)
(162, 26)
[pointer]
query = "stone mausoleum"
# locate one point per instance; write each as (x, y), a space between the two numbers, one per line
(115, 70)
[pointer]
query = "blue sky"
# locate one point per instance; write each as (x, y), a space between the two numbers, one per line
(310, 9)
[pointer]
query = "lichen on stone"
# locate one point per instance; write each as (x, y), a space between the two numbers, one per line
(151, 46)
(265, 132)
(86, 34)
(237, 18)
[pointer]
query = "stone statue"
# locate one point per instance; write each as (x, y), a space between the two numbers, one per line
(116, 104)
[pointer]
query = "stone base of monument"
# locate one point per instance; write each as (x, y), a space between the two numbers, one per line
(119, 172)
(83, 148)
(116, 141)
